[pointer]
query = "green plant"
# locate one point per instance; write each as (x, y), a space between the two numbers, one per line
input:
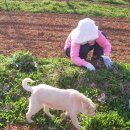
(59, 72)
(23, 61)
(78, 7)
(104, 121)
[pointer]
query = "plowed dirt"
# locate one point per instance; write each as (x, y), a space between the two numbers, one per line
(44, 34)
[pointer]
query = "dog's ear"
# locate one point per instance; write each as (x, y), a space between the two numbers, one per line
(85, 104)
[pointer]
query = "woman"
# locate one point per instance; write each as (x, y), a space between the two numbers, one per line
(84, 38)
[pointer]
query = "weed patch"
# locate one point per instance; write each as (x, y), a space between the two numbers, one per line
(85, 8)
(114, 113)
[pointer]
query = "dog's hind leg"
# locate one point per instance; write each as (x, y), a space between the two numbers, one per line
(65, 115)
(46, 110)
(34, 107)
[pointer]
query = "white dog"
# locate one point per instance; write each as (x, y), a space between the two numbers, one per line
(69, 100)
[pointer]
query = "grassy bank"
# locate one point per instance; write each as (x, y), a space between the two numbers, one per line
(59, 72)
(89, 9)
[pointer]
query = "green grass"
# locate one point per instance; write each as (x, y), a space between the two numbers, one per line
(61, 73)
(119, 2)
(64, 7)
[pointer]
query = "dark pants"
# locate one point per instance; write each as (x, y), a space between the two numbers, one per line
(84, 49)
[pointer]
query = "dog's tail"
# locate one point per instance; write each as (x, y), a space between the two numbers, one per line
(25, 86)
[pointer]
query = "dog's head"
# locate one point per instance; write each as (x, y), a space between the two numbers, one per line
(88, 107)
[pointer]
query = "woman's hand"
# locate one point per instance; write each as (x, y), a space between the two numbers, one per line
(90, 67)
(108, 62)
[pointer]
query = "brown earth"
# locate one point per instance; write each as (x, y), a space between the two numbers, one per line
(44, 34)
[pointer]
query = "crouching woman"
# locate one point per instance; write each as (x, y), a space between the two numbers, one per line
(84, 38)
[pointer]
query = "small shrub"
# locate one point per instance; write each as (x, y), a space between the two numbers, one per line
(105, 121)
(23, 61)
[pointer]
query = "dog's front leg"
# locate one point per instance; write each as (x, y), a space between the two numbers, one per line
(74, 119)
(46, 110)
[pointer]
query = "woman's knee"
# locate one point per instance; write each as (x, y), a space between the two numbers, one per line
(67, 52)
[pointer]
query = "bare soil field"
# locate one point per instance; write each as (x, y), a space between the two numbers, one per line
(44, 34)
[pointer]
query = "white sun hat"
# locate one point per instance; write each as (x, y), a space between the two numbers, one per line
(85, 31)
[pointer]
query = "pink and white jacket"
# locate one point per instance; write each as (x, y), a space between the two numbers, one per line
(74, 48)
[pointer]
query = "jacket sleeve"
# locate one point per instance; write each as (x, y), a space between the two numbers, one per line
(75, 55)
(67, 42)
(104, 43)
